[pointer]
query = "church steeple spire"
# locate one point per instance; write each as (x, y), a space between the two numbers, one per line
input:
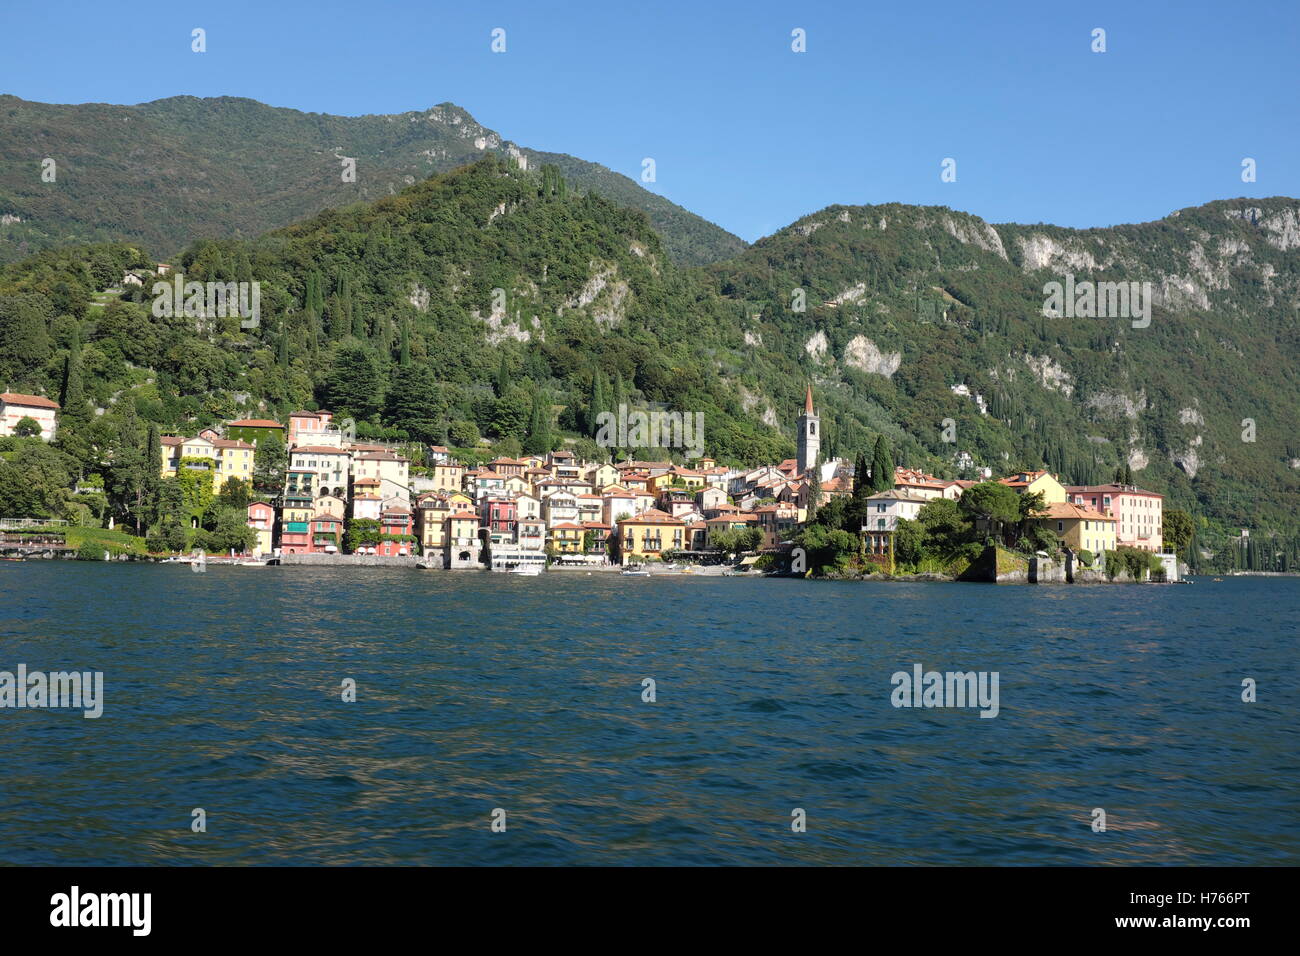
(807, 402)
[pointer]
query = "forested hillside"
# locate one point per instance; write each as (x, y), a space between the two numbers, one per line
(915, 315)
(496, 303)
(162, 174)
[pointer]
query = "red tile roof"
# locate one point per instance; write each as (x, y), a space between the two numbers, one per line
(31, 401)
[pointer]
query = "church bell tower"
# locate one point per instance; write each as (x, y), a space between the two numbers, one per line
(810, 438)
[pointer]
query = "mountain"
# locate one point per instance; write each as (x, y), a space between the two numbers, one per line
(496, 301)
(164, 173)
(917, 315)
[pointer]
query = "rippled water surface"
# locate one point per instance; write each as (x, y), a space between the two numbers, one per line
(479, 691)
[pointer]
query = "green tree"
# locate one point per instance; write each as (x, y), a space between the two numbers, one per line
(509, 416)
(270, 460)
(128, 473)
(862, 480)
(814, 494)
(414, 402)
(992, 504)
(463, 434)
(1177, 529)
(538, 441)
(196, 487)
(909, 541)
(354, 382)
(74, 412)
(502, 381)
(882, 466)
(362, 532)
(24, 336)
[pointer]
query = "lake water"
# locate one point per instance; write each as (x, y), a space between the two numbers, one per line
(477, 691)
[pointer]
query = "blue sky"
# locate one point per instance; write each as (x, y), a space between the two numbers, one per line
(744, 131)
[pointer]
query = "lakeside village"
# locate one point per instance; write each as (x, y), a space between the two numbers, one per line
(345, 501)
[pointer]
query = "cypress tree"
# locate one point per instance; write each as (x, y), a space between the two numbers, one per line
(152, 474)
(814, 494)
(538, 441)
(861, 480)
(404, 359)
(503, 376)
(72, 395)
(882, 466)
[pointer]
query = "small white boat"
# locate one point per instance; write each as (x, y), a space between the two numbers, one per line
(636, 571)
(532, 572)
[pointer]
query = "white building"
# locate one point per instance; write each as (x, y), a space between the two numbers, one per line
(886, 509)
(15, 406)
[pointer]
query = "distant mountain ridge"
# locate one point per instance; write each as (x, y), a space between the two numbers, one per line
(164, 173)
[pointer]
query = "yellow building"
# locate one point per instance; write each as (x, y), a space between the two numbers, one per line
(448, 476)
(602, 475)
(1031, 482)
(566, 537)
(462, 529)
(431, 515)
(392, 471)
(226, 458)
(678, 477)
(1079, 527)
(644, 537)
(296, 511)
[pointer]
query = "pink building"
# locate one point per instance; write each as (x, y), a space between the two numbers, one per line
(261, 518)
(306, 426)
(396, 520)
(1138, 514)
(326, 534)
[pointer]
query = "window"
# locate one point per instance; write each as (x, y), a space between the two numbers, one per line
(1060, 526)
